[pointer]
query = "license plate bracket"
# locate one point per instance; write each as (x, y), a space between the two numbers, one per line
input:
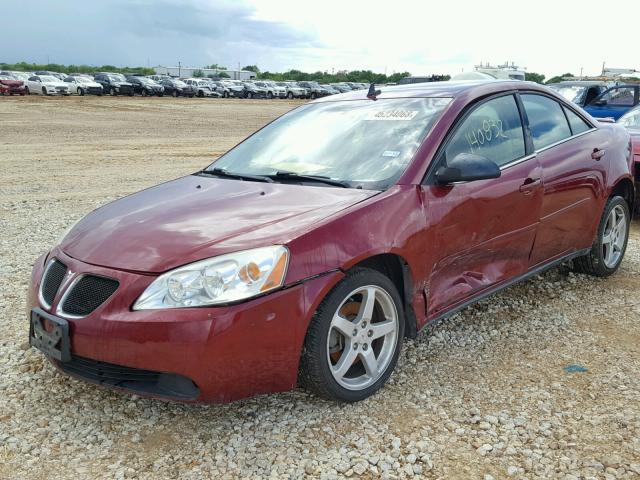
(50, 335)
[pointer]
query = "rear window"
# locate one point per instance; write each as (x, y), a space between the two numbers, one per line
(547, 122)
(577, 124)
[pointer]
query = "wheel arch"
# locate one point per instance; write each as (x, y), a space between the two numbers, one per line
(397, 269)
(625, 188)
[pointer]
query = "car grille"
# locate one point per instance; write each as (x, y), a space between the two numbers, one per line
(134, 379)
(52, 280)
(87, 294)
(61, 89)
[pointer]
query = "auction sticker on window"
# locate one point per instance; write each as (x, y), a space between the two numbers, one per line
(397, 114)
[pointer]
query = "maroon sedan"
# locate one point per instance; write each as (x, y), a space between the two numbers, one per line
(11, 86)
(307, 253)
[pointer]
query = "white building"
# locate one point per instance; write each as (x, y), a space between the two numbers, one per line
(187, 72)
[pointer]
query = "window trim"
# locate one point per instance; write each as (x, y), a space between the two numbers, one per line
(636, 96)
(429, 176)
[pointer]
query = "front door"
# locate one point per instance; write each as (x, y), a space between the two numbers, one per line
(483, 231)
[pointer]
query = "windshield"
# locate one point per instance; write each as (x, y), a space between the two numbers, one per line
(147, 81)
(364, 143)
(573, 93)
(179, 83)
(117, 78)
(631, 118)
(20, 76)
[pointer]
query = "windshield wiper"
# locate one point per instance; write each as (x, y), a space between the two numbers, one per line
(286, 174)
(221, 172)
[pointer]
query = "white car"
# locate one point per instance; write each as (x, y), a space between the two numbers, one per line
(273, 90)
(202, 87)
(293, 90)
(46, 85)
(83, 85)
(22, 76)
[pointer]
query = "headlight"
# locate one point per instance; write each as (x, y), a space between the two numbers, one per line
(223, 279)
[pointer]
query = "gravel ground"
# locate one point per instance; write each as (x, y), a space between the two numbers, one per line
(541, 381)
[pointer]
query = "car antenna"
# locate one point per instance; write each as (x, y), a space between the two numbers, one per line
(373, 93)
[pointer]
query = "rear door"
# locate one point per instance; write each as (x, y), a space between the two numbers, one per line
(614, 102)
(572, 154)
(483, 230)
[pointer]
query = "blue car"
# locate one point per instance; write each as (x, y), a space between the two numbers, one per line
(614, 102)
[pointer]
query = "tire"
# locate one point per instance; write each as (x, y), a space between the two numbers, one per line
(610, 245)
(200, 93)
(144, 93)
(174, 93)
(26, 91)
(225, 94)
(249, 95)
(81, 92)
(269, 95)
(112, 92)
(44, 91)
(326, 346)
(314, 96)
(290, 95)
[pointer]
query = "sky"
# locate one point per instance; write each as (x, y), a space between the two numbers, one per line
(422, 37)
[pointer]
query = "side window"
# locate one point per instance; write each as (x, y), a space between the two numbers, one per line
(547, 122)
(622, 97)
(493, 130)
(577, 124)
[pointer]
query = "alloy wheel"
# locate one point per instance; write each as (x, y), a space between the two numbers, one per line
(614, 236)
(362, 337)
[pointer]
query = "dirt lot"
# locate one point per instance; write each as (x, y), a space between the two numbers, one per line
(542, 381)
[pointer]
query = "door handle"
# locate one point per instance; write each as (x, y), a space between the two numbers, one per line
(529, 185)
(597, 154)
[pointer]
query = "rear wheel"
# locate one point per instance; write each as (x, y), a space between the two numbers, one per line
(354, 338)
(610, 245)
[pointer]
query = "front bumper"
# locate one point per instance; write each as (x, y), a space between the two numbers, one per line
(228, 352)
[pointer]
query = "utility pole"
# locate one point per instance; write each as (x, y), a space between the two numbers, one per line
(179, 65)
(602, 69)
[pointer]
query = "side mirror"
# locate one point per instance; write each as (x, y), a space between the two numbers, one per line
(467, 167)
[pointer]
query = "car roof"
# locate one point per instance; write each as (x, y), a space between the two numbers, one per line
(448, 89)
(583, 82)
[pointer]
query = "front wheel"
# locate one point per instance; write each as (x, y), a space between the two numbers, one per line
(112, 92)
(610, 245)
(80, 92)
(290, 95)
(354, 339)
(26, 91)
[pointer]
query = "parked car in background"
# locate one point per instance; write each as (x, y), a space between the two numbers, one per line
(265, 268)
(159, 78)
(202, 87)
(58, 75)
(341, 87)
(46, 85)
(251, 90)
(614, 102)
(83, 85)
(273, 90)
(234, 88)
(292, 90)
(330, 89)
(631, 121)
(314, 88)
(22, 76)
(580, 92)
(114, 83)
(145, 86)
(177, 88)
(11, 86)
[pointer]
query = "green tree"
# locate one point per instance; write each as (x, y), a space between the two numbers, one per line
(198, 74)
(252, 68)
(223, 75)
(559, 78)
(534, 77)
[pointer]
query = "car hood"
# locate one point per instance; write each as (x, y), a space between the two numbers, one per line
(11, 83)
(55, 84)
(197, 217)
